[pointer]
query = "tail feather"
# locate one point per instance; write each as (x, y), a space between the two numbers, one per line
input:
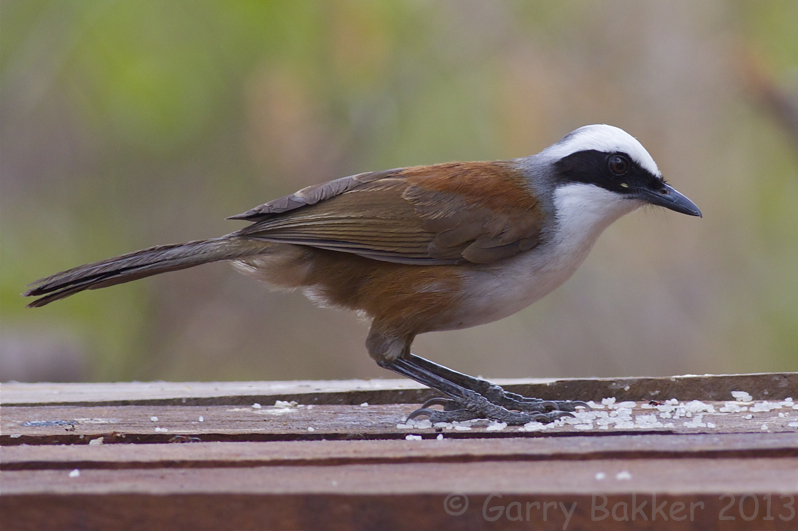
(139, 264)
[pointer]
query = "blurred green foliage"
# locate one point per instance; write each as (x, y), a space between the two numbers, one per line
(129, 124)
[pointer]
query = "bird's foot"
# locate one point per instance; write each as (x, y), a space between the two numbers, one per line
(514, 401)
(479, 407)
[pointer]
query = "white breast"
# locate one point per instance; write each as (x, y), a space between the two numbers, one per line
(496, 291)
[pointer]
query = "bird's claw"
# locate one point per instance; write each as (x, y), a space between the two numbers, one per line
(457, 411)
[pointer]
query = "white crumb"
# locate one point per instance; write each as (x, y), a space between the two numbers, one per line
(280, 407)
(364, 404)
(623, 475)
(741, 396)
(697, 422)
(600, 476)
(439, 437)
(95, 442)
(311, 428)
(201, 418)
(764, 427)
(732, 407)
(608, 401)
(75, 473)
(411, 424)
(793, 424)
(409, 437)
(765, 406)
(154, 419)
(496, 426)
(161, 430)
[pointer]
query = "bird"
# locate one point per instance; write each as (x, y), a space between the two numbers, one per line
(427, 248)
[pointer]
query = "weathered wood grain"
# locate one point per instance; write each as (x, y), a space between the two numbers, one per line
(329, 462)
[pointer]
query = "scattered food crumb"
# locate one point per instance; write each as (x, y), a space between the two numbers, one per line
(158, 429)
(741, 396)
(258, 406)
(415, 424)
(281, 407)
(201, 418)
(748, 417)
(409, 437)
(311, 428)
(600, 476)
(75, 473)
(623, 475)
(732, 407)
(764, 427)
(439, 437)
(364, 404)
(154, 419)
(697, 422)
(765, 406)
(95, 442)
(793, 424)
(608, 401)
(496, 426)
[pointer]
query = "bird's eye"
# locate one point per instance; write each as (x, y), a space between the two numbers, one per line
(618, 164)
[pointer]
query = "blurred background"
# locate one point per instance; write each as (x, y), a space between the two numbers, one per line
(126, 124)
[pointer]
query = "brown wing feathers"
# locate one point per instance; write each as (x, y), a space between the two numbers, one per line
(429, 215)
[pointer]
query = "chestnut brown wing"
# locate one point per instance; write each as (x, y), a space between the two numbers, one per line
(478, 212)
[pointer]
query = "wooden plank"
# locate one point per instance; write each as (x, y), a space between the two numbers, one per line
(334, 512)
(313, 495)
(262, 468)
(333, 453)
(767, 386)
(156, 423)
(666, 476)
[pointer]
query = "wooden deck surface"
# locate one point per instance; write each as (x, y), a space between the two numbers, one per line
(687, 454)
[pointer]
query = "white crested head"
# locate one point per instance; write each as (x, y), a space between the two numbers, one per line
(604, 138)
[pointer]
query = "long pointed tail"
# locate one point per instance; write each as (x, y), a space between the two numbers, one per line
(139, 264)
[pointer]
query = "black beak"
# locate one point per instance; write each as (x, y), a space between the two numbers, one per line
(667, 196)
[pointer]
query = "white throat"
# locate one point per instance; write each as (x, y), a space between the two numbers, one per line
(583, 212)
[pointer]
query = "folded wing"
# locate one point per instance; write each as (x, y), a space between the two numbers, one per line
(477, 212)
